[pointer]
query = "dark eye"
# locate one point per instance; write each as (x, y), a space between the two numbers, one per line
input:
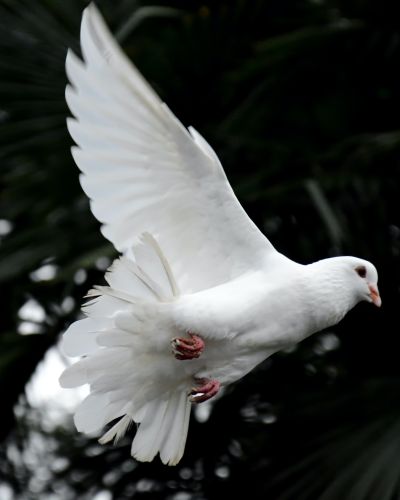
(361, 271)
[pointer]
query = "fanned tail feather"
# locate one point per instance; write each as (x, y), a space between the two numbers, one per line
(128, 364)
(163, 429)
(117, 431)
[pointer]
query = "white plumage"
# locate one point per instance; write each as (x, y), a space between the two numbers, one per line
(193, 262)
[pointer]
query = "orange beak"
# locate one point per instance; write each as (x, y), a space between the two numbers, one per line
(375, 297)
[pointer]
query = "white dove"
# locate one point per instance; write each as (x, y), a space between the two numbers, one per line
(199, 296)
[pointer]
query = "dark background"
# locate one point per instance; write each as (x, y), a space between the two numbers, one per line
(301, 101)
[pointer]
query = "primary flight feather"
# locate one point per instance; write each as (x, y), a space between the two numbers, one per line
(199, 295)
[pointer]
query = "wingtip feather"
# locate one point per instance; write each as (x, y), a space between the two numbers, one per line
(72, 64)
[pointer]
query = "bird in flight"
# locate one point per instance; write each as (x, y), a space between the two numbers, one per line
(199, 296)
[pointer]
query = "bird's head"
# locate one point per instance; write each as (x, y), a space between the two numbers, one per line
(359, 276)
(365, 280)
(349, 280)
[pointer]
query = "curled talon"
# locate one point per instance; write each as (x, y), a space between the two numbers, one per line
(191, 348)
(206, 389)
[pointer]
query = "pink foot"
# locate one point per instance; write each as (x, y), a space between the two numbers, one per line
(205, 389)
(187, 348)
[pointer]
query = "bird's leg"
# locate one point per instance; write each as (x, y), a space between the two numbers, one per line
(187, 348)
(204, 389)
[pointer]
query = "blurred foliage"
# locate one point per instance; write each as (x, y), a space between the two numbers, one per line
(300, 99)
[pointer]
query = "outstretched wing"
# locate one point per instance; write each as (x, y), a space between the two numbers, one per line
(144, 172)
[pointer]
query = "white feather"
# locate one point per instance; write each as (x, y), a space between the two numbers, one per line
(104, 306)
(117, 431)
(124, 346)
(122, 278)
(175, 430)
(80, 337)
(147, 440)
(95, 411)
(169, 182)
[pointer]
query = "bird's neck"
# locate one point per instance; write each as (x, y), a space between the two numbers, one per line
(328, 294)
